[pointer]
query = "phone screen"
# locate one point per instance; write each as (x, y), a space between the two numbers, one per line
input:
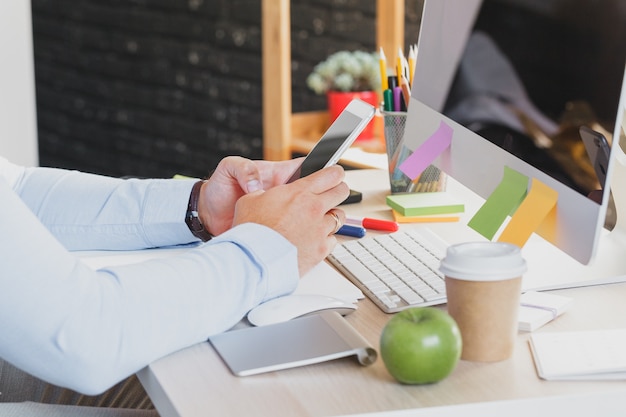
(324, 151)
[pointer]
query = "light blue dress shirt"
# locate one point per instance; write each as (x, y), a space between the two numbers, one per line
(86, 330)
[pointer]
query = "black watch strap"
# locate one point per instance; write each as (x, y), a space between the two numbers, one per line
(191, 218)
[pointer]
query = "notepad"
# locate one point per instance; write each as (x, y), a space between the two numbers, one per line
(580, 355)
(539, 308)
(302, 341)
(420, 204)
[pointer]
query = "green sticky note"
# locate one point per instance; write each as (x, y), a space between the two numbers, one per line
(502, 202)
(422, 204)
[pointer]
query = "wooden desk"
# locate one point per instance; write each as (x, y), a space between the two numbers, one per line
(195, 381)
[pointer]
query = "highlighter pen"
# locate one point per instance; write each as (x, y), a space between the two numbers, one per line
(397, 99)
(350, 230)
(388, 100)
(374, 224)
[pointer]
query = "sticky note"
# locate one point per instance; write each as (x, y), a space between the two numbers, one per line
(419, 204)
(502, 202)
(540, 201)
(425, 154)
(432, 218)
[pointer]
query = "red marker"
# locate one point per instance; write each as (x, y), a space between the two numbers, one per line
(374, 224)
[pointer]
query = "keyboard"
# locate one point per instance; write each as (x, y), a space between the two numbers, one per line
(396, 271)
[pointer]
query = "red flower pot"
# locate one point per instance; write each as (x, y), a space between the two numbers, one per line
(338, 100)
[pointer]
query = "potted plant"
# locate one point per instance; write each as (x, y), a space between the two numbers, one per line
(346, 75)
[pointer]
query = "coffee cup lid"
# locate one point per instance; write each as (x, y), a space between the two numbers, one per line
(483, 261)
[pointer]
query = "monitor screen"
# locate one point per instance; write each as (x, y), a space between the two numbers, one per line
(534, 86)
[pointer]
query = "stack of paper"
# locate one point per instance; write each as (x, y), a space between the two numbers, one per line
(425, 207)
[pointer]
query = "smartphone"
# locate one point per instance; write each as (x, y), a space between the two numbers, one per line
(354, 197)
(599, 151)
(337, 139)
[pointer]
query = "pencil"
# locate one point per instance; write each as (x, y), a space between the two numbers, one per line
(399, 65)
(412, 57)
(384, 84)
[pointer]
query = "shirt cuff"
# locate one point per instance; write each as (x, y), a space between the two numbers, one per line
(164, 214)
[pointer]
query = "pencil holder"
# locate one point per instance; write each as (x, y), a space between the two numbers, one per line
(432, 179)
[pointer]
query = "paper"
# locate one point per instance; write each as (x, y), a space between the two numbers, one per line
(326, 280)
(580, 355)
(502, 202)
(539, 201)
(425, 154)
(418, 204)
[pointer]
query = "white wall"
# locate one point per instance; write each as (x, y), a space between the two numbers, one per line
(18, 122)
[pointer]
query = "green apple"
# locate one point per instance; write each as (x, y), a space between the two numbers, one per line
(420, 345)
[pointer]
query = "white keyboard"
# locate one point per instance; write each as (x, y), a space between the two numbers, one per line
(396, 271)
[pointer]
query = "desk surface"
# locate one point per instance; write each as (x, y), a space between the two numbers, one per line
(195, 381)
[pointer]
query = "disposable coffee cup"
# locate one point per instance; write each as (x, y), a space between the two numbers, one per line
(483, 286)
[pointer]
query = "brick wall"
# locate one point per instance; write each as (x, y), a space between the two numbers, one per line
(158, 87)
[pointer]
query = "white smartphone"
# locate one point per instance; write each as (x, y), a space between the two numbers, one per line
(337, 139)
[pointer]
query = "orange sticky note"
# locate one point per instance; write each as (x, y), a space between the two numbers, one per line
(432, 218)
(539, 202)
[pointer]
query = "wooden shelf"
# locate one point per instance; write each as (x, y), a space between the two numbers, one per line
(283, 132)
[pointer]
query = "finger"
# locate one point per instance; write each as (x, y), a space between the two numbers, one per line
(244, 171)
(336, 222)
(276, 173)
(341, 215)
(324, 179)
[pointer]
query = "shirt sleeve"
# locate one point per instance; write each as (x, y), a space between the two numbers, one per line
(88, 329)
(85, 211)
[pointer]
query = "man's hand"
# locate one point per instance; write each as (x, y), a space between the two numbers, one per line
(303, 212)
(233, 178)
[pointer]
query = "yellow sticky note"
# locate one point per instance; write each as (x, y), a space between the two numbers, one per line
(180, 177)
(539, 202)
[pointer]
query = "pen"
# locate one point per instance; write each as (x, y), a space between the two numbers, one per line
(374, 224)
(350, 230)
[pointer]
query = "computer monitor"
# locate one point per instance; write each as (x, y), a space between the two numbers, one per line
(515, 80)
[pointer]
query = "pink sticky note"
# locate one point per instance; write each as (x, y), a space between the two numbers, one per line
(423, 156)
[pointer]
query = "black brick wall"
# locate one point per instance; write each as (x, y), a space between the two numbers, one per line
(158, 87)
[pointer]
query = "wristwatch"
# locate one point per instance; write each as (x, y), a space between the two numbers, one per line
(191, 217)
